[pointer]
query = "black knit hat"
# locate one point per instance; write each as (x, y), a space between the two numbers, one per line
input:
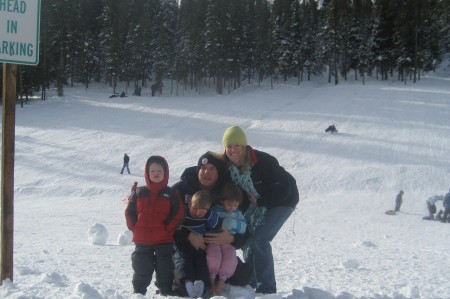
(211, 158)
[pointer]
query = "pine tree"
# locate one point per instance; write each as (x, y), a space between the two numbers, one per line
(283, 48)
(236, 42)
(216, 34)
(137, 49)
(361, 24)
(112, 38)
(441, 14)
(164, 43)
(193, 37)
(183, 60)
(296, 35)
(248, 44)
(63, 39)
(87, 60)
(140, 40)
(427, 37)
(263, 39)
(311, 56)
(331, 39)
(384, 46)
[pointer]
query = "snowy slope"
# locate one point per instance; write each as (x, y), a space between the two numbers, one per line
(338, 243)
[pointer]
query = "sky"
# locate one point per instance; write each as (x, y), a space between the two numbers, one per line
(339, 243)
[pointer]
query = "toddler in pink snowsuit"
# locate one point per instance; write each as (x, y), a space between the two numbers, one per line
(221, 259)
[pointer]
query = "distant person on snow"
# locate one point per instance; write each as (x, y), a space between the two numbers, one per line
(398, 201)
(431, 204)
(446, 216)
(126, 160)
(331, 129)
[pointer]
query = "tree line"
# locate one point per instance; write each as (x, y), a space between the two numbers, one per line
(220, 43)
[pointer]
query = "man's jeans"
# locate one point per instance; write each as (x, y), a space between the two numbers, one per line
(446, 216)
(262, 250)
(123, 168)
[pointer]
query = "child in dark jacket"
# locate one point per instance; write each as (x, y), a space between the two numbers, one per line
(153, 214)
(189, 261)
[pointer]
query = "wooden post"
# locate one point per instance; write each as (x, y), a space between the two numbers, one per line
(7, 199)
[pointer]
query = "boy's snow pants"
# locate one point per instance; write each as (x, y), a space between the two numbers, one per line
(147, 259)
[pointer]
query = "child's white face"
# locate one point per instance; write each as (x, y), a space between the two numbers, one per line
(230, 205)
(196, 211)
(156, 173)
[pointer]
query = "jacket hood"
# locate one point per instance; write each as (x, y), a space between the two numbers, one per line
(160, 160)
(189, 180)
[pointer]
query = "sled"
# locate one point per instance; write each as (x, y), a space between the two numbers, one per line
(390, 212)
(331, 130)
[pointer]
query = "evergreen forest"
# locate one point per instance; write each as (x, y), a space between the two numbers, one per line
(168, 45)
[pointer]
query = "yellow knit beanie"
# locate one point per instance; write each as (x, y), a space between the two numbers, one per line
(234, 135)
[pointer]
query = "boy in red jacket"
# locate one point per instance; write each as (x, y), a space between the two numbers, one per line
(153, 214)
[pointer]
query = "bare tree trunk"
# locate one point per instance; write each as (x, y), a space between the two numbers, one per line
(219, 84)
(60, 76)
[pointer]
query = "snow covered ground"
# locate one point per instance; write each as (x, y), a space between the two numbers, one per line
(338, 243)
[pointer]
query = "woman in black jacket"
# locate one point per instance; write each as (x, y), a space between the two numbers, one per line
(272, 197)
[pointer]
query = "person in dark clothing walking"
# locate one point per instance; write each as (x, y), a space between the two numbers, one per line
(398, 201)
(126, 160)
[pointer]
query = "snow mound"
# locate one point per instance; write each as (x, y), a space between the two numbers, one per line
(237, 292)
(53, 278)
(350, 264)
(27, 271)
(7, 288)
(85, 291)
(368, 244)
(97, 234)
(125, 238)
